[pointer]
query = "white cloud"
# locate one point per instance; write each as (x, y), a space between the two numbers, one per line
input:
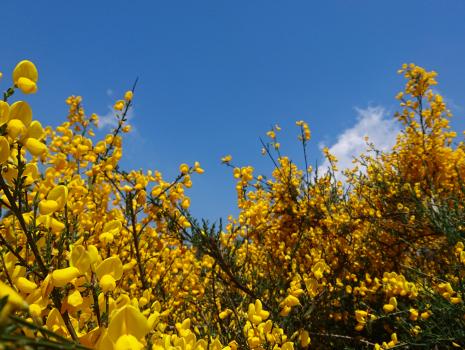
(109, 120)
(372, 122)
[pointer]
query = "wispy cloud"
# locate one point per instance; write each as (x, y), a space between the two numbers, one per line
(133, 141)
(109, 120)
(372, 122)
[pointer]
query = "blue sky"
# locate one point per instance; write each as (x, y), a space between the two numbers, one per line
(215, 75)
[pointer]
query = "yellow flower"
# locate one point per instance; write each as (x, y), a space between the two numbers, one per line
(35, 310)
(4, 149)
(56, 226)
(47, 206)
(107, 283)
(305, 339)
(128, 95)
(27, 86)
(83, 258)
(31, 172)
(60, 195)
(198, 169)
(75, 299)
(185, 203)
(119, 105)
(21, 110)
(425, 315)
(256, 314)
(25, 286)
(55, 322)
(127, 321)
(62, 277)
(226, 313)
(4, 112)
(108, 272)
(184, 168)
(391, 306)
(287, 346)
(226, 159)
(110, 230)
(14, 302)
(128, 342)
(35, 130)
(361, 316)
(35, 147)
(16, 129)
(413, 314)
(25, 76)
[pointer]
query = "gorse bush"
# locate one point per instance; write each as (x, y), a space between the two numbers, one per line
(93, 256)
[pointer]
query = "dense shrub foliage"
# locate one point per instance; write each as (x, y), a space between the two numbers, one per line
(93, 256)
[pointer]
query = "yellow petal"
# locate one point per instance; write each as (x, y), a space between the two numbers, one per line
(107, 283)
(127, 320)
(128, 95)
(35, 147)
(16, 129)
(110, 266)
(46, 287)
(26, 85)
(25, 286)
(4, 149)
(305, 339)
(128, 342)
(60, 195)
(184, 326)
(122, 300)
(93, 253)
(258, 306)
(35, 310)
(80, 258)
(285, 311)
(106, 237)
(56, 226)
(35, 130)
(4, 112)
(91, 338)
(119, 105)
(287, 346)
(55, 321)
(44, 220)
(113, 226)
(31, 172)
(184, 168)
(14, 298)
(27, 217)
(291, 300)
(388, 308)
(75, 298)
(22, 111)
(47, 206)
(25, 69)
(62, 277)
(254, 342)
(10, 174)
(104, 342)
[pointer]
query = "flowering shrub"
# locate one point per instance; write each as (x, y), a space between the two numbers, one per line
(93, 256)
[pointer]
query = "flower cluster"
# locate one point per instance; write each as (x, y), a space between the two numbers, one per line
(93, 256)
